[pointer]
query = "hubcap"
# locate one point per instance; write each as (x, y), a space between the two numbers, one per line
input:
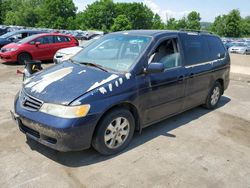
(215, 96)
(116, 133)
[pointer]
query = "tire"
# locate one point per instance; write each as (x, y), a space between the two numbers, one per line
(114, 132)
(214, 96)
(23, 57)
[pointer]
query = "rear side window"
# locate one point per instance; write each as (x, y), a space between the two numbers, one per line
(196, 49)
(45, 40)
(215, 46)
(62, 39)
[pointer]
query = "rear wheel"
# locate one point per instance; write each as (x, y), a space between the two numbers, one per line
(23, 57)
(114, 132)
(214, 96)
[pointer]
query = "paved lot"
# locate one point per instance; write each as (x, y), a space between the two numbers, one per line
(198, 148)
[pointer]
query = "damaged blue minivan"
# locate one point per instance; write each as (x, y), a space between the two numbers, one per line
(119, 84)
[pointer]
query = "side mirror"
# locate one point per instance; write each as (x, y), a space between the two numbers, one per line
(37, 43)
(154, 67)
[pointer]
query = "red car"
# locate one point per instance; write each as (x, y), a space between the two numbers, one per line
(37, 47)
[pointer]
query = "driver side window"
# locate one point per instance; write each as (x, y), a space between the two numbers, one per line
(168, 54)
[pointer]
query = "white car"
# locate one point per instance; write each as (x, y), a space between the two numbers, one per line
(240, 48)
(66, 53)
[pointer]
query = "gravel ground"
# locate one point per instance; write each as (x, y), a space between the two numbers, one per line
(198, 148)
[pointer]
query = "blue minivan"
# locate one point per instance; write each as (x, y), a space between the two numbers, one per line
(119, 84)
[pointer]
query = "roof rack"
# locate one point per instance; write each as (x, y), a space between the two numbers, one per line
(196, 31)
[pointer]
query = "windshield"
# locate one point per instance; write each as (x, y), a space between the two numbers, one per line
(116, 51)
(27, 39)
(6, 35)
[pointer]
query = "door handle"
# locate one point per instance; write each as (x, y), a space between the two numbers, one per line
(191, 75)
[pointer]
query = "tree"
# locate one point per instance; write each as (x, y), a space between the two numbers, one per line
(98, 15)
(121, 23)
(182, 23)
(219, 25)
(233, 24)
(140, 16)
(193, 20)
(245, 27)
(56, 14)
(157, 22)
(5, 6)
(171, 24)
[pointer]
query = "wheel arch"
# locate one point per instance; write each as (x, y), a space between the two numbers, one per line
(221, 81)
(24, 52)
(123, 105)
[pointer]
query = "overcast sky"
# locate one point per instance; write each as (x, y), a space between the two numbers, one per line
(179, 8)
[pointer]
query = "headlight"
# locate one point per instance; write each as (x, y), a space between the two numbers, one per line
(10, 49)
(65, 111)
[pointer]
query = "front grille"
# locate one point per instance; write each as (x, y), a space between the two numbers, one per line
(29, 102)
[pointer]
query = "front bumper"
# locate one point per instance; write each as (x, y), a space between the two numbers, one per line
(77, 136)
(8, 57)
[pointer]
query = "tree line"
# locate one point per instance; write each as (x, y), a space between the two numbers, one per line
(108, 16)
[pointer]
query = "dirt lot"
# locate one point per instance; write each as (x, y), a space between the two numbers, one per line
(198, 148)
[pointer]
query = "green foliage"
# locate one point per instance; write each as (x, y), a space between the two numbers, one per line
(109, 16)
(219, 25)
(171, 24)
(121, 23)
(193, 21)
(98, 15)
(245, 26)
(56, 14)
(233, 24)
(157, 22)
(138, 14)
(182, 23)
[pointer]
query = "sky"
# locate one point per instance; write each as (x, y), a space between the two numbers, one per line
(208, 9)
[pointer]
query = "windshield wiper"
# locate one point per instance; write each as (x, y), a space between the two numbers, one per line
(94, 65)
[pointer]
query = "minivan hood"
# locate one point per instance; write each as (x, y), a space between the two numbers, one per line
(63, 83)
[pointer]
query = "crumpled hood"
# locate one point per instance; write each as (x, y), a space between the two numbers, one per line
(70, 50)
(63, 83)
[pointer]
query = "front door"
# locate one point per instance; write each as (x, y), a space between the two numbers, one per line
(165, 92)
(43, 50)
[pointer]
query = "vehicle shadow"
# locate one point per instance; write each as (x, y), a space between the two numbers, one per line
(90, 156)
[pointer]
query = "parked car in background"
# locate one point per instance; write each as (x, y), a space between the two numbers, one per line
(16, 36)
(240, 48)
(37, 47)
(123, 82)
(66, 53)
(228, 44)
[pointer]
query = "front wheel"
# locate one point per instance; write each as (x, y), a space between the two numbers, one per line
(114, 132)
(214, 96)
(23, 57)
